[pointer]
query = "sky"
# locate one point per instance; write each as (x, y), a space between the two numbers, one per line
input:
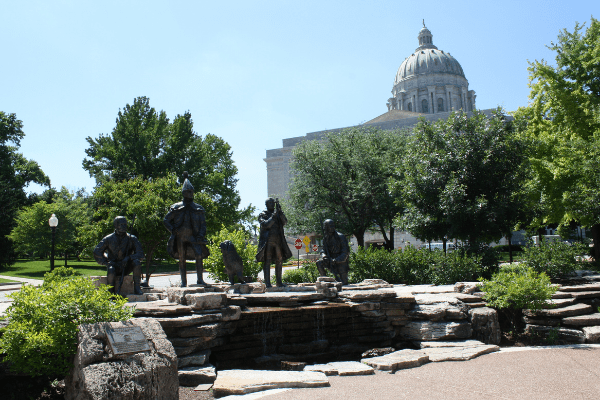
(250, 72)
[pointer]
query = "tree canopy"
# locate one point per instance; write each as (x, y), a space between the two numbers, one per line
(462, 179)
(16, 172)
(145, 144)
(31, 233)
(345, 177)
(563, 123)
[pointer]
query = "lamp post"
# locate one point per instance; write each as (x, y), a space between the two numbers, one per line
(53, 222)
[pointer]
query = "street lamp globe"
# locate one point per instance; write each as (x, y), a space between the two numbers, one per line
(53, 221)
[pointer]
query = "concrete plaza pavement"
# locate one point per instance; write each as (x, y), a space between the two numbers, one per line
(559, 372)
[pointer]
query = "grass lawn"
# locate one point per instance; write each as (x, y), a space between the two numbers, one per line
(37, 268)
(2, 280)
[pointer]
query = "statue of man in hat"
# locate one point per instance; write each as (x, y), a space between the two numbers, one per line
(122, 254)
(187, 224)
(272, 246)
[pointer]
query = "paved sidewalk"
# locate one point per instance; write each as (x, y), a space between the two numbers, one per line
(560, 372)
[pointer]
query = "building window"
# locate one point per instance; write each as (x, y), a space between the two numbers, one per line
(409, 106)
(425, 106)
(440, 104)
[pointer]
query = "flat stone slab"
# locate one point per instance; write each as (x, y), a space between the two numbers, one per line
(366, 295)
(457, 343)
(569, 311)
(238, 381)
(158, 308)
(583, 320)
(585, 295)
(592, 334)
(557, 303)
(195, 359)
(458, 353)
(581, 288)
(206, 301)
(282, 297)
(431, 289)
(568, 335)
(397, 360)
(438, 307)
(348, 368)
(194, 376)
(188, 320)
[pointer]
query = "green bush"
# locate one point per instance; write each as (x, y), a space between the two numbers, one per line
(517, 287)
(307, 273)
(41, 336)
(419, 266)
(58, 274)
(214, 263)
(555, 258)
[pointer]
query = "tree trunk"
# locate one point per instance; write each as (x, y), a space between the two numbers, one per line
(360, 238)
(596, 237)
(391, 243)
(510, 254)
(66, 254)
(541, 232)
(444, 244)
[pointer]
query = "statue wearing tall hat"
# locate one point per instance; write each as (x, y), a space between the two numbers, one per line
(187, 224)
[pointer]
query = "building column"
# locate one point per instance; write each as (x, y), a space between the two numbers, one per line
(431, 98)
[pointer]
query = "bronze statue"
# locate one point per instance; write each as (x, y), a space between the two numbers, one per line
(234, 265)
(334, 255)
(272, 246)
(187, 224)
(122, 254)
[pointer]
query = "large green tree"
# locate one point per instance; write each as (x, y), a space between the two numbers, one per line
(146, 144)
(31, 233)
(345, 177)
(144, 203)
(463, 179)
(563, 123)
(16, 172)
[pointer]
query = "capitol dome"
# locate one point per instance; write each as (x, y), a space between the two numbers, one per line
(430, 81)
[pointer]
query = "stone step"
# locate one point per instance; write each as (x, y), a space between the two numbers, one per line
(583, 320)
(569, 311)
(397, 360)
(565, 334)
(238, 381)
(194, 376)
(581, 288)
(344, 368)
(561, 302)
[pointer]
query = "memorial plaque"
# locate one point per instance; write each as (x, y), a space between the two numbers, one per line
(127, 340)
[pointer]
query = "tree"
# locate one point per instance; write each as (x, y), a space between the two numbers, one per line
(345, 177)
(31, 233)
(563, 123)
(16, 172)
(462, 179)
(144, 203)
(145, 144)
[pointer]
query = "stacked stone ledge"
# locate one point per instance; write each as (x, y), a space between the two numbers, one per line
(245, 325)
(571, 316)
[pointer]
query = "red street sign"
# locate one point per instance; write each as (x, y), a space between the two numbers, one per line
(315, 247)
(298, 244)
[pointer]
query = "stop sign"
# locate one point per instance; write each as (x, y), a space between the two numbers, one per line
(315, 247)
(298, 244)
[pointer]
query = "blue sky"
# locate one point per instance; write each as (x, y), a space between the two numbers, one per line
(252, 73)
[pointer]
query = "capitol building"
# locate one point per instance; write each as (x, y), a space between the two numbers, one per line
(429, 84)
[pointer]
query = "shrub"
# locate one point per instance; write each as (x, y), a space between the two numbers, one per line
(517, 287)
(307, 273)
(554, 258)
(214, 263)
(41, 335)
(58, 274)
(419, 266)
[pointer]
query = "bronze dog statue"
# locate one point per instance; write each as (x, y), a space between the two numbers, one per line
(232, 260)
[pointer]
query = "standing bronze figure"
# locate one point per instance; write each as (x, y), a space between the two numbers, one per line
(334, 255)
(122, 254)
(272, 246)
(187, 224)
